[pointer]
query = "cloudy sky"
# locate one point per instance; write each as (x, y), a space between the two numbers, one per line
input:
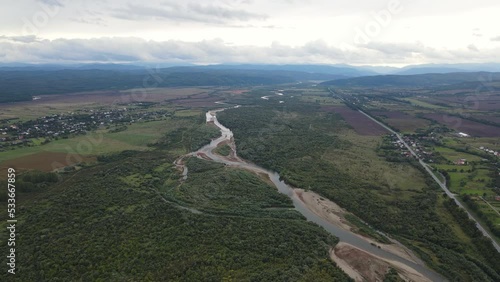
(376, 32)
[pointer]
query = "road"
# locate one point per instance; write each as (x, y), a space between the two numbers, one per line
(441, 184)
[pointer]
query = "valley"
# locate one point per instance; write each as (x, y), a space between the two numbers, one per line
(304, 158)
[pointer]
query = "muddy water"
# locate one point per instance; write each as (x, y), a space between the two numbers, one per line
(342, 234)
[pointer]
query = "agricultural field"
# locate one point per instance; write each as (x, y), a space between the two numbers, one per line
(402, 121)
(472, 128)
(359, 122)
(67, 152)
(55, 104)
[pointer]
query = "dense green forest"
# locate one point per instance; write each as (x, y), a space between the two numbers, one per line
(112, 222)
(292, 140)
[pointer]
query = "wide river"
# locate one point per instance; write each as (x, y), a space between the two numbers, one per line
(342, 234)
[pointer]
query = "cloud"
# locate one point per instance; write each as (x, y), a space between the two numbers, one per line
(136, 50)
(21, 39)
(52, 2)
(473, 47)
(224, 13)
(193, 12)
(495, 38)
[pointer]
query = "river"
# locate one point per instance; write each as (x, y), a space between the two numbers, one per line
(343, 235)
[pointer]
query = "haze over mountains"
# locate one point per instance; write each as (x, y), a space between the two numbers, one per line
(61, 79)
(336, 69)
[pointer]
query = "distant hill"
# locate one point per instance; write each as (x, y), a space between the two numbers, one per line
(447, 68)
(428, 70)
(22, 85)
(341, 70)
(419, 80)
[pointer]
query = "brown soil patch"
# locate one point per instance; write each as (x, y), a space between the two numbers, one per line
(463, 125)
(401, 120)
(46, 161)
(360, 123)
(362, 266)
(197, 102)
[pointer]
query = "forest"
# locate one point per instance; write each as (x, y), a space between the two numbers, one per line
(115, 222)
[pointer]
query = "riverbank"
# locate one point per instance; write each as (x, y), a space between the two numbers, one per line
(334, 214)
(317, 209)
(363, 266)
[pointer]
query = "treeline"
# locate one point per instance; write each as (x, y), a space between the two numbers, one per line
(30, 181)
(495, 229)
(482, 243)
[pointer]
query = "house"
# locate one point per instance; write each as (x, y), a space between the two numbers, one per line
(461, 134)
(461, 162)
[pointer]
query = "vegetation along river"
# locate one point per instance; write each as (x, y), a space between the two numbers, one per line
(344, 235)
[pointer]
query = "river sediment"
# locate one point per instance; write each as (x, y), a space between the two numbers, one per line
(326, 214)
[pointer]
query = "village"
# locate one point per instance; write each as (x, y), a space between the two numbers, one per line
(421, 151)
(65, 125)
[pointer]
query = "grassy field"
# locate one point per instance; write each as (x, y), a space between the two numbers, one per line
(452, 155)
(400, 180)
(466, 179)
(136, 137)
(423, 104)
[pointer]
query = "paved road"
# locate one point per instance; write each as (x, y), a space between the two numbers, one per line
(441, 184)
